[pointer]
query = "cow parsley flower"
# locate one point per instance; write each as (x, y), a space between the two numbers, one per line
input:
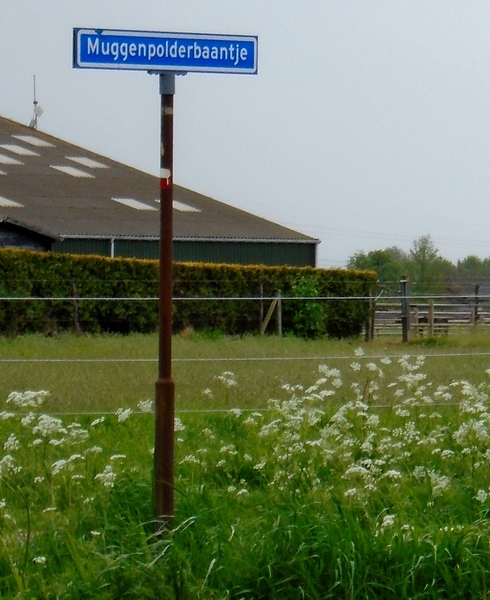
(11, 444)
(107, 477)
(481, 496)
(123, 414)
(27, 399)
(48, 426)
(146, 406)
(388, 522)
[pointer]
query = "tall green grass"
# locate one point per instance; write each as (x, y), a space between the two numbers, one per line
(362, 474)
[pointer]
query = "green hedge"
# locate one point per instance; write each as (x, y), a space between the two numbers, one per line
(25, 274)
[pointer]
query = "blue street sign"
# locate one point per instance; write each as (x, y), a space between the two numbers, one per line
(169, 52)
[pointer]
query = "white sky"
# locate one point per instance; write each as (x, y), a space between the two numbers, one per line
(367, 126)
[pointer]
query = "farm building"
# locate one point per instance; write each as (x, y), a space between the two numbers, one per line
(55, 196)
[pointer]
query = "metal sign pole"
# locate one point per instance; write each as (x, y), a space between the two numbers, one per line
(164, 388)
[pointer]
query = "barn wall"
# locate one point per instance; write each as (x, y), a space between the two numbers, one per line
(16, 237)
(242, 253)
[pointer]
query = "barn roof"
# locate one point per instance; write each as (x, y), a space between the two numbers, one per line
(63, 191)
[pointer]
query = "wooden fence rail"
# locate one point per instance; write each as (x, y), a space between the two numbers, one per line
(430, 318)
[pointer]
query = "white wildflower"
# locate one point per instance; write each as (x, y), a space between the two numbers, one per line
(11, 444)
(372, 421)
(107, 477)
(146, 406)
(39, 560)
(355, 366)
(27, 399)
(48, 426)
(191, 459)
(28, 419)
(178, 425)
(388, 522)
(481, 496)
(93, 450)
(123, 414)
(227, 378)
(117, 457)
(97, 421)
(359, 352)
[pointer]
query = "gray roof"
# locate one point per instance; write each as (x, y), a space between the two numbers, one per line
(62, 191)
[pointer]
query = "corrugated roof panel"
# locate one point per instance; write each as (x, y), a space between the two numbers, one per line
(71, 171)
(136, 204)
(16, 149)
(33, 140)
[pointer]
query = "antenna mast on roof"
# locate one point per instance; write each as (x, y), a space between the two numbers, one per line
(38, 111)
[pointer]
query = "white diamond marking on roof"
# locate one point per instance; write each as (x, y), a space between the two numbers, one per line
(33, 140)
(71, 171)
(19, 150)
(178, 205)
(8, 160)
(136, 204)
(5, 202)
(87, 162)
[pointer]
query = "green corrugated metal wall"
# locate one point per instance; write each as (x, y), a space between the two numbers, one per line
(243, 253)
(100, 247)
(247, 253)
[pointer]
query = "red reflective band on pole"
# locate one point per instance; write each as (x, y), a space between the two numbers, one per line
(166, 174)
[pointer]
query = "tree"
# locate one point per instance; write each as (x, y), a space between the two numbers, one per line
(427, 270)
(473, 267)
(389, 263)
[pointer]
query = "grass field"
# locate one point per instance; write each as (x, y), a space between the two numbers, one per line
(339, 469)
(86, 383)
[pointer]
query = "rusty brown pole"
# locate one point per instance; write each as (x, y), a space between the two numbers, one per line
(163, 483)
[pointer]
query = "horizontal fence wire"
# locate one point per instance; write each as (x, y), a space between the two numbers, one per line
(198, 411)
(247, 358)
(234, 298)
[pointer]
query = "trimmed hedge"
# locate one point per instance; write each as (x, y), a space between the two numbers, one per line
(25, 274)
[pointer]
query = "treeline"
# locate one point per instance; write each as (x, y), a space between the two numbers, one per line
(427, 270)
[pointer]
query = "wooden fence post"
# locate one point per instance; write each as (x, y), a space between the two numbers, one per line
(371, 318)
(405, 305)
(279, 315)
(430, 318)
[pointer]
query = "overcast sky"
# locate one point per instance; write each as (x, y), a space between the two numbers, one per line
(367, 126)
